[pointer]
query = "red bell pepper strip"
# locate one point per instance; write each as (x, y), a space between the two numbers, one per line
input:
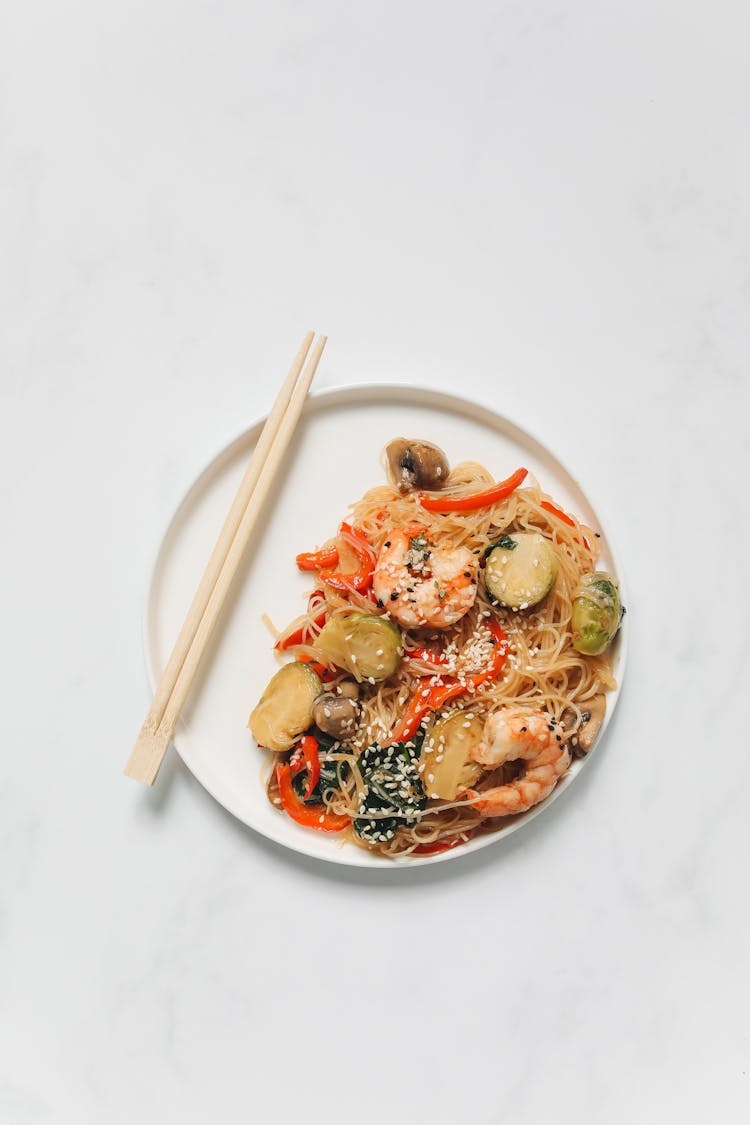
(297, 637)
(306, 757)
(424, 700)
(564, 517)
(495, 666)
(318, 560)
(311, 816)
(431, 697)
(427, 655)
(557, 512)
(360, 579)
(440, 845)
(477, 500)
(320, 669)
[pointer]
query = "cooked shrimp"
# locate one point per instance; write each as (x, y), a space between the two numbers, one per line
(423, 582)
(510, 735)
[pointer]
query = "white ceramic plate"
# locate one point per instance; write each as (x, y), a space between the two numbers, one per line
(335, 460)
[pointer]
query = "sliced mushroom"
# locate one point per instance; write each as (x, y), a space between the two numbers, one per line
(416, 464)
(591, 722)
(336, 715)
(349, 688)
(587, 728)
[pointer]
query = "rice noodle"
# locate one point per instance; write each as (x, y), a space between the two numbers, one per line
(543, 669)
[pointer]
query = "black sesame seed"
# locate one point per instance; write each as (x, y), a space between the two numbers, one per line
(387, 543)
(394, 597)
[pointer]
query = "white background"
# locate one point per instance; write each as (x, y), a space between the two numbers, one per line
(542, 204)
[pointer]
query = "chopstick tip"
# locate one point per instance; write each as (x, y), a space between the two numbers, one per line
(148, 753)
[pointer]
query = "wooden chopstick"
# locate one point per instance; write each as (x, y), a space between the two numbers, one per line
(174, 685)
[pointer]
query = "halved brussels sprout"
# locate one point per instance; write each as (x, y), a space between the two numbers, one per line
(364, 644)
(285, 707)
(596, 613)
(448, 769)
(521, 569)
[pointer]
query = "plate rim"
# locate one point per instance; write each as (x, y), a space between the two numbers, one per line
(468, 407)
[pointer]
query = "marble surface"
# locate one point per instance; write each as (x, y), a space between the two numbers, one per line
(544, 205)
